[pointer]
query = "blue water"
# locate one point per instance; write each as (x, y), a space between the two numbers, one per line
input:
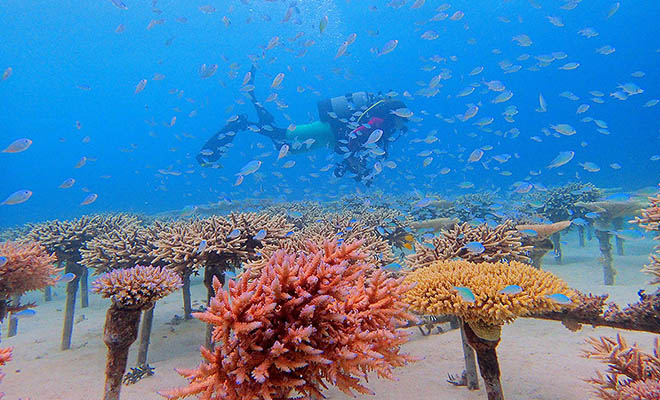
(54, 47)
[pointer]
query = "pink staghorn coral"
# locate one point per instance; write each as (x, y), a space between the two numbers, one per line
(318, 317)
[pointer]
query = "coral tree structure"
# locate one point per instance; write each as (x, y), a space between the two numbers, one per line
(501, 242)
(319, 317)
(131, 291)
(434, 293)
(632, 374)
(27, 267)
(650, 220)
(541, 243)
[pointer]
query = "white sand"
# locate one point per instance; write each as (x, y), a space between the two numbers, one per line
(539, 359)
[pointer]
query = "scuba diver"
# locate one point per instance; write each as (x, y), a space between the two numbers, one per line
(357, 126)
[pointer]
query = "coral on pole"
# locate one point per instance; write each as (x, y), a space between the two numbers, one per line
(311, 319)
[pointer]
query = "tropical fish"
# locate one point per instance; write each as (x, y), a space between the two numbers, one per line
(66, 278)
(524, 187)
(562, 158)
(283, 151)
(559, 298)
(260, 235)
(402, 112)
(502, 97)
(374, 137)
(67, 183)
(423, 202)
(3, 261)
(239, 180)
(119, 4)
(393, 267)
(18, 146)
(590, 167)
(7, 73)
(529, 232)
(24, 314)
(250, 168)
(543, 106)
(289, 164)
(207, 71)
(323, 24)
(140, 86)
(89, 199)
(17, 197)
(475, 155)
(388, 47)
(201, 247)
(511, 290)
(465, 293)
(564, 129)
(234, 234)
(277, 80)
(569, 66)
(475, 247)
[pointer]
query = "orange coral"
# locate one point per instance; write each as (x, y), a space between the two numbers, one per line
(318, 317)
(650, 220)
(5, 357)
(28, 267)
(632, 374)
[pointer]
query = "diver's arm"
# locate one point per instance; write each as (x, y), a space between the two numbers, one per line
(215, 147)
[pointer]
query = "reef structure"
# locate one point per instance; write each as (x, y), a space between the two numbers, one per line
(650, 221)
(539, 239)
(132, 291)
(485, 296)
(272, 332)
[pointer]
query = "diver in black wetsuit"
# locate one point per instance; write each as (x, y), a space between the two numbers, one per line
(348, 124)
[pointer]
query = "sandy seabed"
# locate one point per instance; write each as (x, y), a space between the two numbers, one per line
(539, 359)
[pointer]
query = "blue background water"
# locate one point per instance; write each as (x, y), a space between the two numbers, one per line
(54, 46)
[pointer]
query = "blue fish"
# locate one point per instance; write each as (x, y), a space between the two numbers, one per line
(289, 234)
(229, 275)
(340, 233)
(474, 247)
(352, 221)
(24, 314)
(511, 289)
(66, 278)
(618, 197)
(427, 237)
(295, 214)
(3, 261)
(234, 234)
(529, 232)
(465, 293)
(393, 267)
(260, 235)
(202, 247)
(579, 222)
(423, 202)
(559, 298)
(348, 228)
(381, 230)
(592, 215)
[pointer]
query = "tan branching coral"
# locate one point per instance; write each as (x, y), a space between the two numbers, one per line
(121, 247)
(539, 239)
(435, 224)
(632, 374)
(434, 293)
(138, 287)
(320, 317)
(500, 243)
(650, 221)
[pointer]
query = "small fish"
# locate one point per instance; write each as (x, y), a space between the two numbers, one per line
(67, 183)
(283, 151)
(381, 230)
(234, 234)
(529, 232)
(18, 146)
(277, 80)
(388, 47)
(250, 168)
(559, 298)
(201, 247)
(562, 158)
(89, 199)
(289, 164)
(7, 73)
(229, 275)
(524, 187)
(323, 24)
(140, 86)
(18, 197)
(289, 234)
(569, 66)
(119, 4)
(393, 267)
(81, 162)
(465, 293)
(423, 202)
(592, 215)
(475, 247)
(374, 137)
(475, 155)
(260, 235)
(511, 290)
(66, 278)
(3, 261)
(24, 314)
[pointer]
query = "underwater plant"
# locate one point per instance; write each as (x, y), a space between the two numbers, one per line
(537, 236)
(273, 333)
(24, 266)
(650, 221)
(132, 291)
(485, 296)
(632, 374)
(490, 244)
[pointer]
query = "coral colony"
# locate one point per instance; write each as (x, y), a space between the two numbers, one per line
(305, 296)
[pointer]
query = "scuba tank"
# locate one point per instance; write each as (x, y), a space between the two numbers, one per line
(344, 106)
